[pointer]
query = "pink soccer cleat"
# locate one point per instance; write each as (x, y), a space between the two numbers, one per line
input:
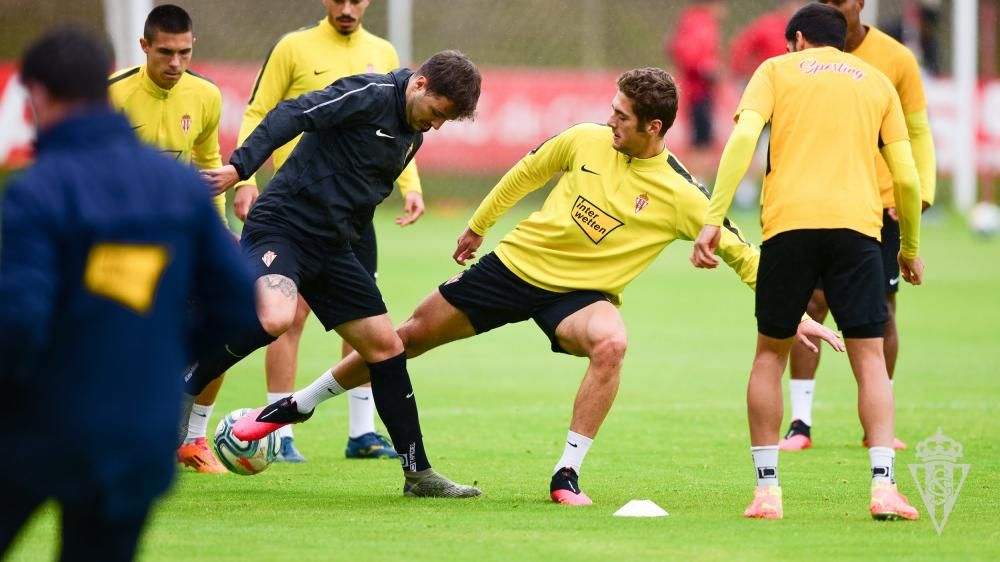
(797, 438)
(889, 505)
(565, 489)
(262, 422)
(766, 504)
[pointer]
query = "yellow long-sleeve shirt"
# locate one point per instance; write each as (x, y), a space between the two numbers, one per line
(311, 59)
(606, 219)
(899, 65)
(183, 122)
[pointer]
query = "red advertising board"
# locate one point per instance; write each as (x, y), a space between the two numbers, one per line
(519, 109)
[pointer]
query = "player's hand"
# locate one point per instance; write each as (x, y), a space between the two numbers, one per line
(413, 209)
(893, 214)
(911, 269)
(244, 198)
(703, 255)
(468, 243)
(220, 179)
(812, 329)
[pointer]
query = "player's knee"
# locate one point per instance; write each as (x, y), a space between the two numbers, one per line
(609, 352)
(414, 337)
(275, 321)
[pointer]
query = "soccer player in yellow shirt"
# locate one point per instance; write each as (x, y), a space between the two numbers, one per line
(302, 61)
(178, 111)
(900, 66)
(821, 218)
(622, 198)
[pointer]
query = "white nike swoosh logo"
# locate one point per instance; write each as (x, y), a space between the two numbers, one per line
(410, 395)
(266, 415)
(894, 281)
(379, 133)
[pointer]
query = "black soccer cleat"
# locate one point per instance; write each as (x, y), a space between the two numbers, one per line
(565, 488)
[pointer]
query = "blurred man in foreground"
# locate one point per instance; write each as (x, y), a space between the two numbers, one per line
(104, 242)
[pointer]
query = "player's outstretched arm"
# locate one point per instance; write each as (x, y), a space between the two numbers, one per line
(810, 328)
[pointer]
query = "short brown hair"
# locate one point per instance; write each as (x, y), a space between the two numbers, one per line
(450, 74)
(653, 94)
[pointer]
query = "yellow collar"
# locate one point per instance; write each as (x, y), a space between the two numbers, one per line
(152, 88)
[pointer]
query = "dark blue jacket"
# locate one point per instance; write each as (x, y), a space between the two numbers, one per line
(356, 143)
(104, 244)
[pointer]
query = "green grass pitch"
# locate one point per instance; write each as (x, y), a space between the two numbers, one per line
(495, 410)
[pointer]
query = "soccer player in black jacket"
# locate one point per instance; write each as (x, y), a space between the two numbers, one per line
(359, 134)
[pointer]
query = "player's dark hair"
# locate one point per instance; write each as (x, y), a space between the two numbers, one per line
(450, 74)
(821, 25)
(168, 19)
(653, 94)
(72, 63)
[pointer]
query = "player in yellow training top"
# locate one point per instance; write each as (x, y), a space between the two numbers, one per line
(303, 61)
(178, 111)
(622, 198)
(821, 217)
(900, 66)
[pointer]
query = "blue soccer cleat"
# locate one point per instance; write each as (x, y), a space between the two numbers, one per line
(288, 452)
(369, 446)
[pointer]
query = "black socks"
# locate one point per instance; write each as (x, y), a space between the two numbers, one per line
(398, 409)
(219, 360)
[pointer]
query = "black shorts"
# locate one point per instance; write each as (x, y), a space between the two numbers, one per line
(701, 123)
(491, 296)
(330, 278)
(366, 249)
(890, 253)
(848, 263)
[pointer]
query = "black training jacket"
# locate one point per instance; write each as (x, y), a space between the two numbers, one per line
(356, 142)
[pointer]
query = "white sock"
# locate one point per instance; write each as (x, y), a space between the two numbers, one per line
(198, 421)
(272, 397)
(883, 459)
(321, 389)
(765, 460)
(362, 411)
(573, 452)
(802, 399)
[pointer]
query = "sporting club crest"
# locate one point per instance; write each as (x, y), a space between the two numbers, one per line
(939, 479)
(186, 123)
(268, 257)
(641, 202)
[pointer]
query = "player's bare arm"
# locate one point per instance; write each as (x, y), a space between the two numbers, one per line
(703, 255)
(221, 179)
(413, 208)
(243, 198)
(467, 245)
(912, 269)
